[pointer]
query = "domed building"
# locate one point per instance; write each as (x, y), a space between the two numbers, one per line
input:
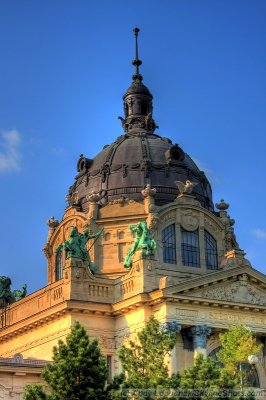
(149, 243)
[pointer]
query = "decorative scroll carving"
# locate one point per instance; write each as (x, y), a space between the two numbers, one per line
(209, 223)
(171, 216)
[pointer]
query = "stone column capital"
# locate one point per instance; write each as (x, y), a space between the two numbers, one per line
(171, 327)
(199, 335)
(200, 330)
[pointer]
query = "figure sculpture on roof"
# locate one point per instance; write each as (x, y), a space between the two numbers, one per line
(76, 247)
(6, 294)
(186, 187)
(143, 241)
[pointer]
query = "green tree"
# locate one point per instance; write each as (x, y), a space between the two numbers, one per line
(78, 371)
(238, 343)
(205, 380)
(35, 392)
(143, 359)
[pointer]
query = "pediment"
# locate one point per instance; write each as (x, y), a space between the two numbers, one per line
(240, 291)
(241, 285)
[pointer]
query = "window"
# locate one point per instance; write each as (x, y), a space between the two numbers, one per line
(169, 244)
(58, 265)
(190, 248)
(211, 255)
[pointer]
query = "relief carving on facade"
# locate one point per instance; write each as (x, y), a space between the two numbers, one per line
(211, 224)
(240, 291)
(189, 220)
(169, 217)
(107, 342)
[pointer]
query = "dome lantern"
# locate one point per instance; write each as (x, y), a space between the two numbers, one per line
(138, 101)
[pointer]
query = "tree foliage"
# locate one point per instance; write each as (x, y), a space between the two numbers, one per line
(35, 392)
(78, 371)
(205, 380)
(238, 344)
(144, 358)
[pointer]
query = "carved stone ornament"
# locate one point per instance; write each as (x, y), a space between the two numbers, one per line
(169, 217)
(52, 223)
(170, 327)
(240, 291)
(93, 197)
(107, 342)
(189, 220)
(148, 191)
(186, 187)
(47, 249)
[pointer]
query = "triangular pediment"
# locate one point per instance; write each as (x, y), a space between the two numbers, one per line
(239, 285)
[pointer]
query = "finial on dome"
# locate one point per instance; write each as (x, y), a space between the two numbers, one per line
(136, 62)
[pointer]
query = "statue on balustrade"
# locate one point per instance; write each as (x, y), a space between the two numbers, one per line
(143, 241)
(76, 247)
(7, 296)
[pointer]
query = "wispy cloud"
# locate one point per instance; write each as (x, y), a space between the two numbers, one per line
(209, 172)
(58, 151)
(259, 233)
(10, 153)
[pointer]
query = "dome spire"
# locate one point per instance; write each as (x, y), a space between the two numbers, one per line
(138, 101)
(136, 62)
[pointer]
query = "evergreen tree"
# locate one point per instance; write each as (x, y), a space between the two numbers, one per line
(143, 359)
(78, 371)
(238, 344)
(35, 392)
(205, 380)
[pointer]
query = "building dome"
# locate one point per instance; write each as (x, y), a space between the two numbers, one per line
(132, 161)
(137, 158)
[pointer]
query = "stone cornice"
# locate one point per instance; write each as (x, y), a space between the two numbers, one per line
(33, 321)
(131, 303)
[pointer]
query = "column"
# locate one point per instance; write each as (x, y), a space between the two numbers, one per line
(172, 327)
(200, 334)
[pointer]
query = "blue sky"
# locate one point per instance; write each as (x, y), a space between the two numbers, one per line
(64, 68)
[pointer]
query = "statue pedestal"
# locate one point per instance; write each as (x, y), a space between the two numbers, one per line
(235, 258)
(143, 268)
(74, 273)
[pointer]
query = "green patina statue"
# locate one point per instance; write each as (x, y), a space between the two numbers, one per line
(6, 294)
(143, 241)
(75, 246)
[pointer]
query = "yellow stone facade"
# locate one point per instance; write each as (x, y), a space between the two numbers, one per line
(196, 301)
(113, 304)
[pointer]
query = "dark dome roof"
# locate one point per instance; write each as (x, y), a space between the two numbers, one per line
(137, 88)
(126, 166)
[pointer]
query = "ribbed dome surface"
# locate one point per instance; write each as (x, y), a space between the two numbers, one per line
(126, 166)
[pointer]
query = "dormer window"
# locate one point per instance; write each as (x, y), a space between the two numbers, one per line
(169, 244)
(211, 254)
(190, 248)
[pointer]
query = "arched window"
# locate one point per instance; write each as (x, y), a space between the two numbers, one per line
(250, 372)
(211, 254)
(58, 265)
(169, 244)
(190, 248)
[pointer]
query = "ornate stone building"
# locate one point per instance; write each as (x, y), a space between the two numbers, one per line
(197, 281)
